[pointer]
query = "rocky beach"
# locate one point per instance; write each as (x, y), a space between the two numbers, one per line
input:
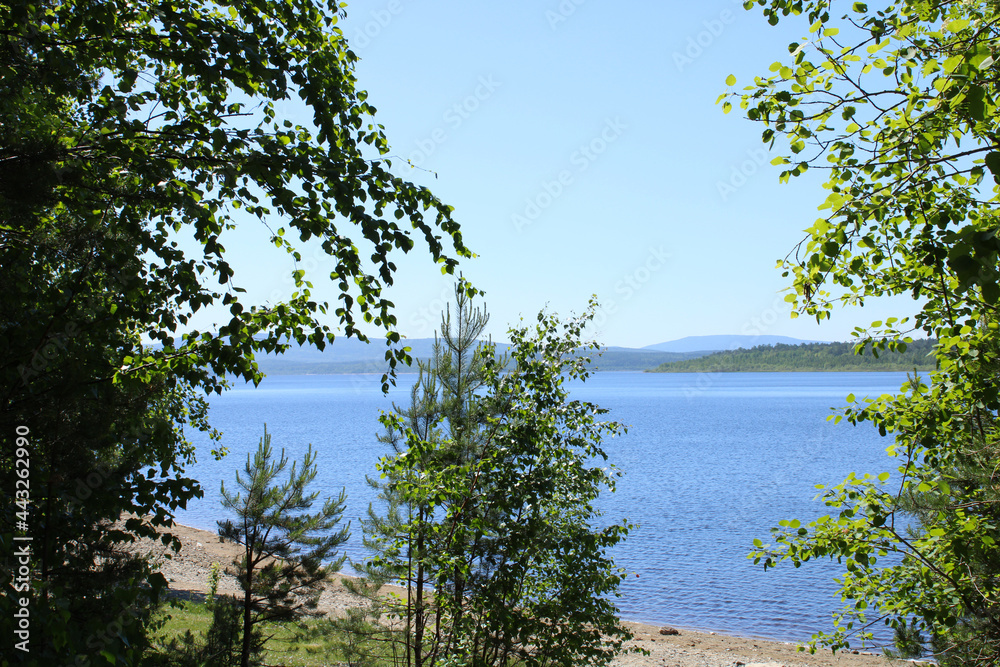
(187, 573)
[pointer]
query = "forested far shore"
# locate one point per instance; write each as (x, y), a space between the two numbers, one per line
(807, 357)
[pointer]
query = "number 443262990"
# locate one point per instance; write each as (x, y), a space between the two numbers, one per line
(22, 485)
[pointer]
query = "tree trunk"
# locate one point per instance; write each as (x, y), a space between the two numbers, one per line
(247, 619)
(418, 630)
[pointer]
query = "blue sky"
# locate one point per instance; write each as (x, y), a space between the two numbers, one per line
(581, 146)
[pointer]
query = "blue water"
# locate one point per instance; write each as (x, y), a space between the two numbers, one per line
(711, 461)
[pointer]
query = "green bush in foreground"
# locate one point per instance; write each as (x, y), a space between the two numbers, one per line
(489, 521)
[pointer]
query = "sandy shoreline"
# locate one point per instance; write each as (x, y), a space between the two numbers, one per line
(187, 576)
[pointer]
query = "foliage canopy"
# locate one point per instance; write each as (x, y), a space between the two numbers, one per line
(490, 520)
(162, 121)
(136, 136)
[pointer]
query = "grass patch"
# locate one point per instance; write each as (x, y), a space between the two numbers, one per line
(285, 647)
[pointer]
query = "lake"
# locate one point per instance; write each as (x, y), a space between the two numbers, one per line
(711, 461)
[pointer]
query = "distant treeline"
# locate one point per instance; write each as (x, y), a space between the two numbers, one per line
(806, 357)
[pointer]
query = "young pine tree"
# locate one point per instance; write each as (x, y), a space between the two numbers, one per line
(446, 414)
(285, 549)
(489, 517)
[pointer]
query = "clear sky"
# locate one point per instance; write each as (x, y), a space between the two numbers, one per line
(581, 146)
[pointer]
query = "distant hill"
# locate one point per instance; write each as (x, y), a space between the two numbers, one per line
(351, 356)
(351, 349)
(806, 357)
(631, 359)
(345, 355)
(713, 343)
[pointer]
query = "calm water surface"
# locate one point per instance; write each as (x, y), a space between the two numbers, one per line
(711, 461)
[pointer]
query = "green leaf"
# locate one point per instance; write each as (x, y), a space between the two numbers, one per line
(992, 160)
(977, 103)
(957, 25)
